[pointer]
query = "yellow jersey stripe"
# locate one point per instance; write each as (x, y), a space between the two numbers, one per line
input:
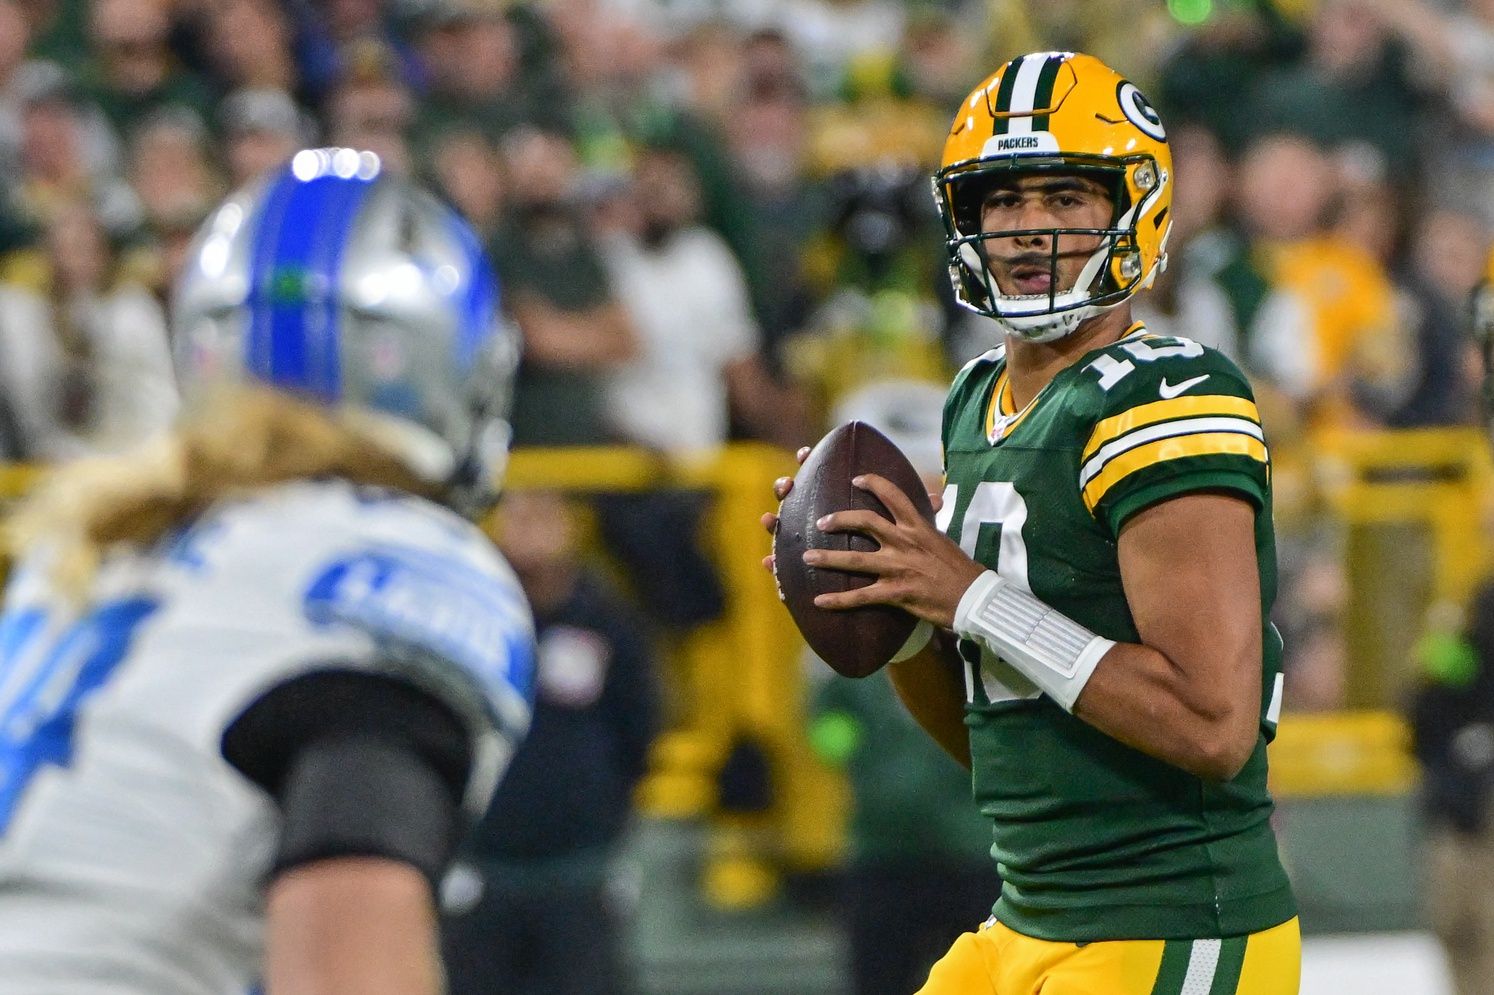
(1178, 407)
(1162, 430)
(1001, 403)
(1204, 444)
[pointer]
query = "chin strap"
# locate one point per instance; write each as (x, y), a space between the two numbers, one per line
(1050, 649)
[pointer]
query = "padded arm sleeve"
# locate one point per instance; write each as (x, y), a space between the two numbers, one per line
(359, 764)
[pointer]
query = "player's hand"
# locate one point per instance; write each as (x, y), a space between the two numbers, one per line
(918, 568)
(781, 488)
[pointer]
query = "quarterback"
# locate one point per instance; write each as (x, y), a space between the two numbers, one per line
(1096, 587)
(253, 679)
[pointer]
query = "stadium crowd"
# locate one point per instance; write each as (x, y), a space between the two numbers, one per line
(712, 219)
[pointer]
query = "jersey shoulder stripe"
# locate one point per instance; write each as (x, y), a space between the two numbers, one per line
(1170, 416)
(1153, 453)
(1106, 454)
(1108, 430)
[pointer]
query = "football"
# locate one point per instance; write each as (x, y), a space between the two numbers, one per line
(858, 641)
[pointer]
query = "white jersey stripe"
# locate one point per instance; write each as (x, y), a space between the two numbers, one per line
(1024, 92)
(1203, 961)
(1164, 430)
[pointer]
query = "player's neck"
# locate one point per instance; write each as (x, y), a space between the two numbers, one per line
(1031, 365)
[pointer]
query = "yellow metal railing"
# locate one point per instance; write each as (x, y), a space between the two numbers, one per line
(1413, 506)
(1341, 753)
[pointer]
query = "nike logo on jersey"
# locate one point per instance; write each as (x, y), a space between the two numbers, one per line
(1168, 390)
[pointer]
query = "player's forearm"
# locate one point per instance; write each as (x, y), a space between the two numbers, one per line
(931, 688)
(1140, 697)
(352, 926)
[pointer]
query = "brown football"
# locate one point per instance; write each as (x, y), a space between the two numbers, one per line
(858, 641)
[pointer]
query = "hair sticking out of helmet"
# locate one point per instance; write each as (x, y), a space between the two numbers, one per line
(351, 288)
(1056, 114)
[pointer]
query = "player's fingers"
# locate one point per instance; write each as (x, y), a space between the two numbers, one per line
(889, 494)
(842, 559)
(770, 522)
(871, 594)
(782, 486)
(768, 563)
(802, 454)
(868, 522)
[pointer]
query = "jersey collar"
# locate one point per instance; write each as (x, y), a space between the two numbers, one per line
(1002, 416)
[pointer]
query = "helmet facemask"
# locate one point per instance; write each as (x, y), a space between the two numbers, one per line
(1112, 272)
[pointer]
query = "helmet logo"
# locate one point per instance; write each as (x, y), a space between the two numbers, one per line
(1139, 111)
(1034, 142)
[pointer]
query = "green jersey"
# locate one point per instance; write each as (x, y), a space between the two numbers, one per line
(1096, 840)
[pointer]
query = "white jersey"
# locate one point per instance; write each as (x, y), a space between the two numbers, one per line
(132, 855)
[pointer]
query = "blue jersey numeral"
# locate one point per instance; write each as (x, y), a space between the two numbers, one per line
(37, 715)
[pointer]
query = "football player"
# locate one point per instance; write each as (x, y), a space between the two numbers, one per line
(252, 680)
(1100, 573)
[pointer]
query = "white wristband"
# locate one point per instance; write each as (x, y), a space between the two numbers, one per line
(916, 641)
(1046, 646)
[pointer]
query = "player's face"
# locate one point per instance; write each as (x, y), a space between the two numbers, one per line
(1023, 264)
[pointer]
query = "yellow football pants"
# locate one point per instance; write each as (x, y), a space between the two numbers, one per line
(998, 961)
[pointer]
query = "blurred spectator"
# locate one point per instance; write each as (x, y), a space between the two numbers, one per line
(941, 55)
(1209, 74)
(170, 169)
(332, 38)
(249, 45)
(371, 108)
(470, 54)
(558, 291)
(714, 61)
(468, 169)
(1452, 726)
(621, 98)
(876, 266)
(1454, 50)
(1352, 88)
(697, 369)
(14, 34)
(542, 914)
(1361, 355)
(104, 381)
(1213, 290)
(67, 155)
(833, 35)
(1447, 262)
(768, 136)
(261, 128)
(59, 30)
(133, 71)
(699, 366)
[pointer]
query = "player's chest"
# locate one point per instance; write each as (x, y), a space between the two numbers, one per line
(1018, 500)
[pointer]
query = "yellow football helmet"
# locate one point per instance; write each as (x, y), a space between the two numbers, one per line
(1066, 113)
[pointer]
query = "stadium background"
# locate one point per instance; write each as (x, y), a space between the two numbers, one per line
(713, 224)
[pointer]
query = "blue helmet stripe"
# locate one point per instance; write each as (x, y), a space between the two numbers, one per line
(267, 228)
(304, 230)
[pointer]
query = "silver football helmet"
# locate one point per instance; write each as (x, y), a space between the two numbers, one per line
(349, 286)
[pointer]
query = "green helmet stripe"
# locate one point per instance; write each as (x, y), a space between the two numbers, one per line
(1004, 95)
(1044, 96)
